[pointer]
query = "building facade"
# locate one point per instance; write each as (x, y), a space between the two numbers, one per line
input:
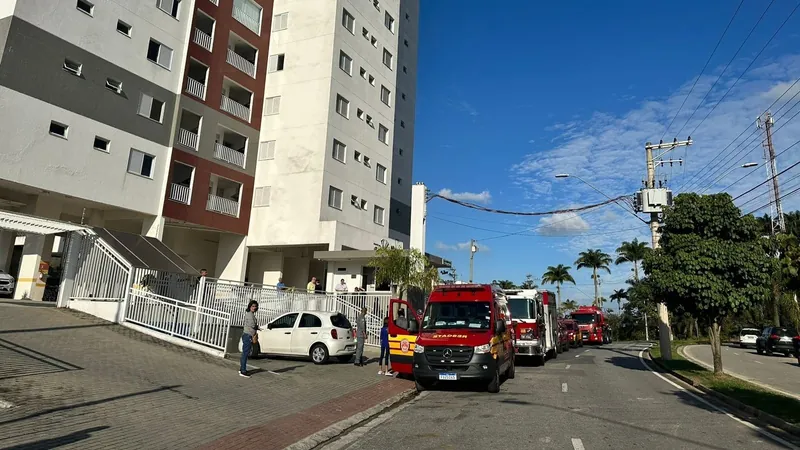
(328, 165)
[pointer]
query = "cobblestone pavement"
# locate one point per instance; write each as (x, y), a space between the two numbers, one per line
(78, 382)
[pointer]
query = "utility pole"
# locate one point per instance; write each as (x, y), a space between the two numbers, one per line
(776, 210)
(646, 328)
(473, 248)
(653, 200)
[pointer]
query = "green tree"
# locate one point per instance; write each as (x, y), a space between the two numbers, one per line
(619, 295)
(558, 275)
(405, 269)
(568, 305)
(505, 284)
(712, 262)
(595, 260)
(528, 283)
(632, 252)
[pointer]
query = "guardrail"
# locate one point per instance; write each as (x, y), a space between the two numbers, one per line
(180, 193)
(188, 138)
(196, 88)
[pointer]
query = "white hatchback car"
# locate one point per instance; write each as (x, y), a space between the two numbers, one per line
(319, 335)
(748, 336)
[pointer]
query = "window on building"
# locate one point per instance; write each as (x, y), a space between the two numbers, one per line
(388, 58)
(266, 150)
(342, 106)
(378, 215)
(272, 105)
(248, 13)
(376, 4)
(280, 21)
(400, 181)
(339, 151)
(380, 174)
(159, 54)
(348, 21)
(402, 124)
(85, 7)
(388, 20)
(371, 80)
(373, 41)
(261, 196)
(335, 197)
(386, 95)
(346, 63)
(276, 62)
(124, 28)
(169, 6)
(369, 121)
(383, 134)
(360, 114)
(363, 72)
(365, 33)
(151, 108)
(363, 204)
(102, 144)
(114, 85)
(59, 129)
(357, 155)
(367, 161)
(73, 67)
(141, 163)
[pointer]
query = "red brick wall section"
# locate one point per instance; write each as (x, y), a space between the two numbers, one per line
(216, 60)
(196, 212)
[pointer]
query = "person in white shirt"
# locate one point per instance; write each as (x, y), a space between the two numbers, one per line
(341, 288)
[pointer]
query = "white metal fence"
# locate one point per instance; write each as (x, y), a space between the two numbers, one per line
(196, 88)
(222, 205)
(228, 154)
(101, 273)
(191, 322)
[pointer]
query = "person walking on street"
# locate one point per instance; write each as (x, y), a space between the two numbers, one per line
(249, 337)
(384, 366)
(361, 336)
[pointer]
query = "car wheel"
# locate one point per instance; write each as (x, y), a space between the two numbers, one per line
(319, 354)
(420, 386)
(494, 385)
(511, 373)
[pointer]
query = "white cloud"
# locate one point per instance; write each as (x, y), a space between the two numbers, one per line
(461, 246)
(562, 224)
(468, 108)
(477, 197)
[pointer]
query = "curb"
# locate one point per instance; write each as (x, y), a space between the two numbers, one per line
(328, 434)
(760, 416)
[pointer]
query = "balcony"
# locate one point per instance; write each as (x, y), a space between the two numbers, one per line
(242, 55)
(189, 130)
(231, 147)
(236, 100)
(248, 14)
(196, 79)
(204, 31)
(229, 155)
(223, 196)
(181, 183)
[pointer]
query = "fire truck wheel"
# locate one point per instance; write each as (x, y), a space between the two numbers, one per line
(538, 360)
(512, 370)
(494, 385)
(421, 387)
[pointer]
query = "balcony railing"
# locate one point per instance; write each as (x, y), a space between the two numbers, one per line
(222, 205)
(187, 139)
(240, 63)
(202, 39)
(196, 88)
(180, 193)
(235, 108)
(229, 155)
(253, 23)
(216, 2)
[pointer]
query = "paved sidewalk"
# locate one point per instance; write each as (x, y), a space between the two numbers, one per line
(78, 382)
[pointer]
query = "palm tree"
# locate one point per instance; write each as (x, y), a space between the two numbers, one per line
(619, 295)
(632, 252)
(505, 284)
(558, 275)
(596, 260)
(569, 305)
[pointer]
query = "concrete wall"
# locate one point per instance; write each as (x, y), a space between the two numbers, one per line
(198, 248)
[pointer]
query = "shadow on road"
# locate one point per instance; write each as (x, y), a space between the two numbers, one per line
(20, 361)
(59, 441)
(70, 327)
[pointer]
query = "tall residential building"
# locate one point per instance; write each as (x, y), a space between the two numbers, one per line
(335, 157)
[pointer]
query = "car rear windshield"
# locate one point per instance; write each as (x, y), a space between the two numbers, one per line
(450, 315)
(584, 319)
(521, 308)
(747, 331)
(340, 321)
(783, 332)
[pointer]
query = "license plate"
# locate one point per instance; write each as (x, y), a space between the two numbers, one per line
(448, 376)
(350, 347)
(786, 339)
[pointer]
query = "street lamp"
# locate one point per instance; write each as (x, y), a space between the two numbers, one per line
(748, 165)
(566, 175)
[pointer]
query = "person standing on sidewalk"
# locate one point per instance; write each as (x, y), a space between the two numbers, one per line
(361, 336)
(249, 336)
(384, 367)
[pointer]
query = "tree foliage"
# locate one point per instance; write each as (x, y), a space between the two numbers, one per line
(632, 252)
(505, 284)
(558, 275)
(595, 260)
(619, 295)
(528, 283)
(712, 262)
(407, 269)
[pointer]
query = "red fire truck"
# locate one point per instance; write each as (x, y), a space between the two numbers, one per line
(534, 324)
(592, 325)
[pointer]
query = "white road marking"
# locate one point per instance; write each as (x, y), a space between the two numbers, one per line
(758, 362)
(743, 422)
(568, 366)
(735, 353)
(564, 387)
(577, 356)
(585, 351)
(577, 444)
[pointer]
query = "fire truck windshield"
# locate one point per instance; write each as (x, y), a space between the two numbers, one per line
(521, 308)
(450, 315)
(584, 319)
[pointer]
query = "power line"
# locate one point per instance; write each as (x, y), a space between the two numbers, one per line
(520, 213)
(708, 61)
(726, 66)
(767, 192)
(792, 192)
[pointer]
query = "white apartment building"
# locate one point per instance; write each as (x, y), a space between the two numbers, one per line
(338, 110)
(88, 90)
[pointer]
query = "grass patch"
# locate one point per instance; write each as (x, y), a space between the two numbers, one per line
(778, 405)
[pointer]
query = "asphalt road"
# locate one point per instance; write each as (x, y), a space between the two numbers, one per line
(590, 398)
(777, 371)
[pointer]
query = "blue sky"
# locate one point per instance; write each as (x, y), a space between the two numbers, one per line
(509, 97)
